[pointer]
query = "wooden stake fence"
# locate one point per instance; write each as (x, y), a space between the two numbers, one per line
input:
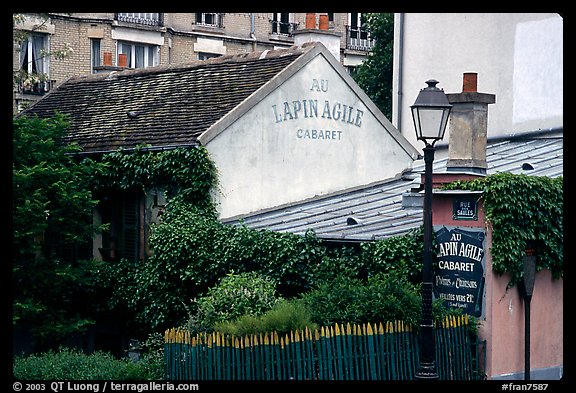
(353, 352)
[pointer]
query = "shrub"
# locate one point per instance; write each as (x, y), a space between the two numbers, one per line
(284, 317)
(71, 364)
(383, 297)
(248, 293)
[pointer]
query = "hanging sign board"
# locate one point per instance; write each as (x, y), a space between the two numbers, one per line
(459, 268)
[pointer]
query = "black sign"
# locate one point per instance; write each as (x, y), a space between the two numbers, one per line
(464, 209)
(459, 268)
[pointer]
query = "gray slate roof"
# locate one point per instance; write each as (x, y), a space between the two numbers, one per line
(376, 211)
(173, 104)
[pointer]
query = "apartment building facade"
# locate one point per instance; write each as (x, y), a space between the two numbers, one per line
(50, 48)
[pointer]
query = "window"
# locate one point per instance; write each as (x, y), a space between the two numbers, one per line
(122, 212)
(281, 24)
(33, 59)
(209, 19)
(356, 30)
(356, 36)
(139, 55)
(33, 54)
(95, 53)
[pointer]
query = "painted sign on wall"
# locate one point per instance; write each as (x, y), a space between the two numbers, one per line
(459, 268)
(309, 108)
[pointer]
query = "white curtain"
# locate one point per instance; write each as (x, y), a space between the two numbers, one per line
(37, 55)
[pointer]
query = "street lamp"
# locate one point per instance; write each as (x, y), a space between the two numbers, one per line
(430, 112)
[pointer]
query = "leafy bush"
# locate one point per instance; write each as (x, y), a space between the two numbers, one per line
(383, 297)
(285, 316)
(248, 293)
(401, 254)
(71, 364)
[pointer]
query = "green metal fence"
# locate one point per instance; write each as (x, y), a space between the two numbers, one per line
(351, 352)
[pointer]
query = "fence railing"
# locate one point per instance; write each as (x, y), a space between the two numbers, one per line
(352, 352)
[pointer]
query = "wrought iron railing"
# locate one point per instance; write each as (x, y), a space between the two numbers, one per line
(141, 18)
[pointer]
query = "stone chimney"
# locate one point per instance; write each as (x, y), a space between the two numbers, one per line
(318, 30)
(468, 127)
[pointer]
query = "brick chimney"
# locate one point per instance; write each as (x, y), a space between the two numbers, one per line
(319, 32)
(468, 127)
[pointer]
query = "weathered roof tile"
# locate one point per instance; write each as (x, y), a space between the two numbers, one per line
(159, 106)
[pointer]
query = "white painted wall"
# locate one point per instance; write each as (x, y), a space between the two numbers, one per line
(518, 57)
(266, 159)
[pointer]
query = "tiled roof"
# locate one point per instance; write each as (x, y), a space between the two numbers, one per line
(160, 106)
(376, 211)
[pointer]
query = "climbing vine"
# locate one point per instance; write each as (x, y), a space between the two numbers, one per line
(187, 172)
(522, 210)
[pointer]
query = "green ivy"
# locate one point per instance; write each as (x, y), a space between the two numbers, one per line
(187, 172)
(402, 254)
(522, 209)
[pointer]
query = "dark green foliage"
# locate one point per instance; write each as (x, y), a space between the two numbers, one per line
(152, 363)
(187, 172)
(68, 364)
(50, 190)
(374, 75)
(52, 221)
(383, 297)
(401, 254)
(522, 209)
(193, 250)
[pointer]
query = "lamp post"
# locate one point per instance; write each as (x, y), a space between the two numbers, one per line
(430, 113)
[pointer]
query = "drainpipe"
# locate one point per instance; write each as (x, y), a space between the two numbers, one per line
(252, 34)
(400, 65)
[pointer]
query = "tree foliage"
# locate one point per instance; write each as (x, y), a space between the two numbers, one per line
(374, 75)
(190, 173)
(51, 214)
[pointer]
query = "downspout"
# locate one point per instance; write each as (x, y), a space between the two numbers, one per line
(252, 34)
(400, 67)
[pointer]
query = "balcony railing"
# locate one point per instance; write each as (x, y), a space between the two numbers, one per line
(358, 39)
(148, 19)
